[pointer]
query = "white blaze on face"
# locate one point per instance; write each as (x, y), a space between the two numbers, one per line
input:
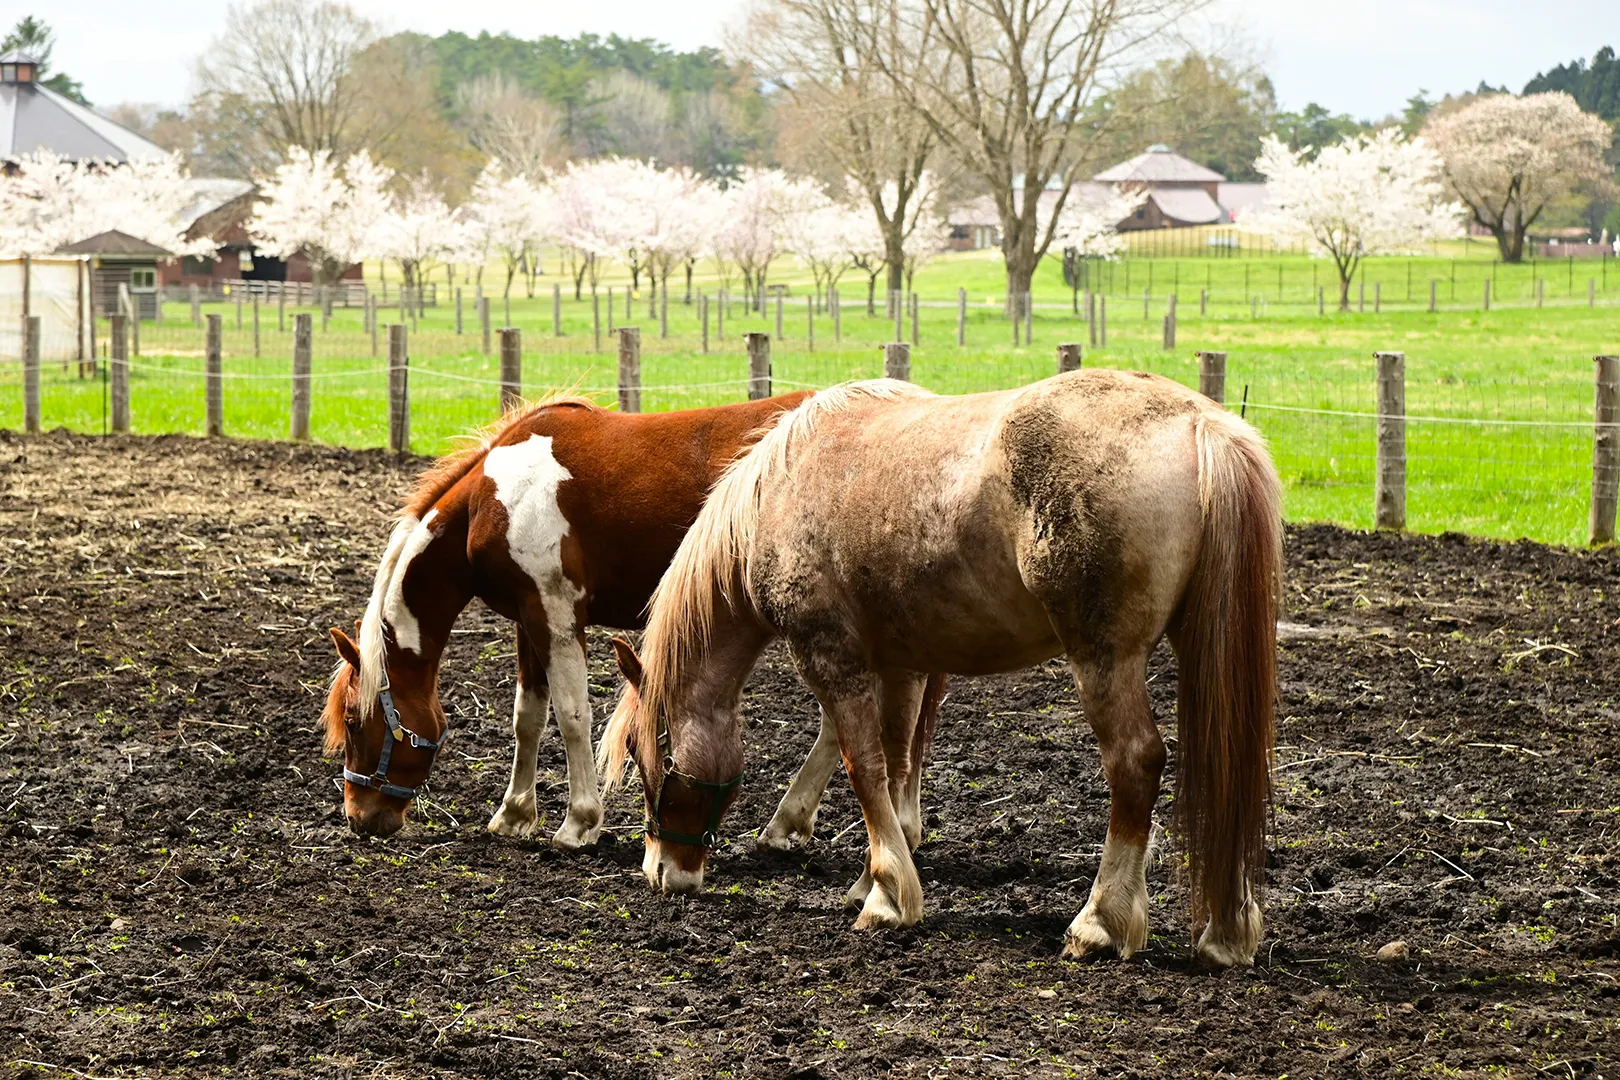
(526, 477)
(397, 613)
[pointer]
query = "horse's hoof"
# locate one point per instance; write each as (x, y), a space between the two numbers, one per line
(782, 835)
(1089, 937)
(574, 835)
(1234, 944)
(515, 822)
(858, 892)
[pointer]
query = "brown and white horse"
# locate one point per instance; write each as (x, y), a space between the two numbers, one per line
(564, 517)
(887, 533)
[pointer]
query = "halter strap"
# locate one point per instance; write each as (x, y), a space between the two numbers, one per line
(711, 831)
(394, 732)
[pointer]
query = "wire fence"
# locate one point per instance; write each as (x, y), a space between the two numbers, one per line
(1494, 456)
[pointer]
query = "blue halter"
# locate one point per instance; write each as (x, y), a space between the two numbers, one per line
(393, 731)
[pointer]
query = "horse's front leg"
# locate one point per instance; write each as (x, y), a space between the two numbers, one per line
(895, 895)
(795, 817)
(571, 700)
(517, 815)
(1115, 918)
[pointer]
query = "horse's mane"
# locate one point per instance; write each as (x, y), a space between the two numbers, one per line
(709, 567)
(431, 486)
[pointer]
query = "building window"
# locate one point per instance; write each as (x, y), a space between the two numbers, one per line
(197, 265)
(142, 280)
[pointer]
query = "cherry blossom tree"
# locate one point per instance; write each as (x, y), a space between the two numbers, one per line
(1371, 195)
(1508, 158)
(1088, 226)
(334, 217)
(47, 201)
(419, 230)
(756, 207)
(825, 236)
(508, 217)
(588, 220)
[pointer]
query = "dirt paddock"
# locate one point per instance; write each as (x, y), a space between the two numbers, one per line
(180, 896)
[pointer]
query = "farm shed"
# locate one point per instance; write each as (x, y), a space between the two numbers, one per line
(116, 259)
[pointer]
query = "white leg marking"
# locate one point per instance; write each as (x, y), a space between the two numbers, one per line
(397, 613)
(1232, 944)
(570, 697)
(1116, 916)
(518, 815)
(795, 817)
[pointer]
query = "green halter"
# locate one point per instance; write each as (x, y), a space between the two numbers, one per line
(655, 824)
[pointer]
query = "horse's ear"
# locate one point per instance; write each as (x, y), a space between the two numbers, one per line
(346, 648)
(629, 662)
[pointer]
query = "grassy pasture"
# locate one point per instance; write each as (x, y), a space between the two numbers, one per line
(1500, 443)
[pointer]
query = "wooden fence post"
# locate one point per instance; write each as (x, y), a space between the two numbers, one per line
(556, 309)
(1605, 451)
(961, 316)
(897, 309)
(596, 320)
(1541, 291)
(1378, 297)
(720, 316)
(255, 326)
(1433, 294)
(758, 345)
(1068, 356)
(238, 295)
(376, 321)
(1203, 302)
(810, 324)
(511, 367)
(1361, 296)
(399, 393)
(1212, 376)
(281, 307)
(1487, 306)
(1169, 330)
(897, 361)
(458, 310)
(30, 359)
(629, 368)
(196, 307)
(1321, 300)
(483, 321)
(779, 314)
(1091, 318)
(1029, 321)
(1147, 304)
(1102, 322)
(1389, 506)
(610, 310)
(118, 374)
(214, 389)
(838, 315)
(303, 341)
(1591, 292)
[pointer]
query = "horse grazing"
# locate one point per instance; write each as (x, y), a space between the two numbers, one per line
(564, 517)
(887, 532)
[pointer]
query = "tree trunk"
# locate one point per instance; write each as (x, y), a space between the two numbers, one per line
(871, 292)
(1344, 291)
(1020, 272)
(689, 282)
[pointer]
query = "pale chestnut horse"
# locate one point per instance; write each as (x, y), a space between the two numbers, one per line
(563, 517)
(886, 533)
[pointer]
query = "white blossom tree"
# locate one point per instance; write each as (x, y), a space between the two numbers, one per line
(1508, 158)
(47, 201)
(418, 231)
(1374, 194)
(508, 217)
(1088, 227)
(332, 216)
(756, 207)
(588, 220)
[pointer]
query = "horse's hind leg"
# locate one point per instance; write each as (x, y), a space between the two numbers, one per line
(1115, 917)
(795, 817)
(517, 815)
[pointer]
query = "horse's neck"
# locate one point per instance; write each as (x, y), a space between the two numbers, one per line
(437, 583)
(709, 692)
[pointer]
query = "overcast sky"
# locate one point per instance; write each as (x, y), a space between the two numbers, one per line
(1365, 58)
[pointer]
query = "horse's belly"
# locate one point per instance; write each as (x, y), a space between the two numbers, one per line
(970, 620)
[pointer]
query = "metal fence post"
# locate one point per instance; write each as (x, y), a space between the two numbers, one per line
(31, 332)
(758, 345)
(1068, 356)
(213, 387)
(511, 367)
(1212, 376)
(1389, 507)
(118, 373)
(399, 399)
(1605, 451)
(303, 338)
(629, 368)
(897, 361)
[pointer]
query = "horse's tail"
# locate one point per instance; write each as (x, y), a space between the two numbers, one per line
(922, 741)
(1226, 641)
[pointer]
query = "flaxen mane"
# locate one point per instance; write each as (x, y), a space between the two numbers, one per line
(431, 486)
(709, 567)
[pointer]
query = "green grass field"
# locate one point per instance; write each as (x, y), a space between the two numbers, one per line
(1499, 443)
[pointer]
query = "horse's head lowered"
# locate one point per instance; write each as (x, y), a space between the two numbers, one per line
(388, 735)
(688, 780)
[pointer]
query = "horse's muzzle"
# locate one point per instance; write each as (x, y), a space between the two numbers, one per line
(378, 823)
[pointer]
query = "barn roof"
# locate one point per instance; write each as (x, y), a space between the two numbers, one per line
(35, 117)
(1190, 206)
(1158, 164)
(113, 242)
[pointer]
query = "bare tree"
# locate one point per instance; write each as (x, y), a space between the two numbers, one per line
(1010, 88)
(822, 54)
(279, 76)
(521, 132)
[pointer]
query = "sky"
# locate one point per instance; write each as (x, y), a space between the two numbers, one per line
(1365, 58)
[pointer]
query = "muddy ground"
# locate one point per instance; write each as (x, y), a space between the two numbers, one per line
(180, 897)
